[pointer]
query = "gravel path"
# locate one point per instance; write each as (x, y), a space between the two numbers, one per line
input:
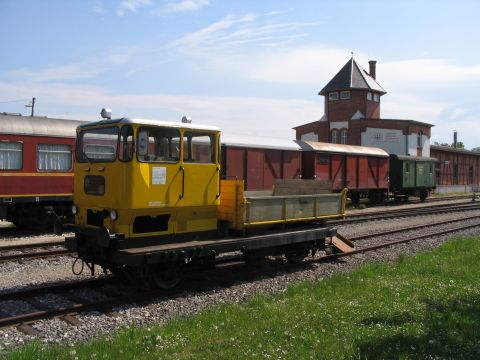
(190, 302)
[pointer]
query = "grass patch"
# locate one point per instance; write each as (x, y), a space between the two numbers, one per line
(427, 306)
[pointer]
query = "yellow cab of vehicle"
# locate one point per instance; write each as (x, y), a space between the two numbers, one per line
(145, 178)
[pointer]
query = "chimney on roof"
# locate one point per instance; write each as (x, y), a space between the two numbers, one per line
(373, 70)
(455, 139)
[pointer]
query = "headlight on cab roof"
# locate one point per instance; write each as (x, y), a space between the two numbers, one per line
(74, 209)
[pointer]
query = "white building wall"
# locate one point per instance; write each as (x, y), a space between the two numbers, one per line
(311, 136)
(392, 141)
(412, 144)
(426, 146)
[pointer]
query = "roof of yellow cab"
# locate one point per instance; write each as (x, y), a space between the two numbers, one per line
(161, 123)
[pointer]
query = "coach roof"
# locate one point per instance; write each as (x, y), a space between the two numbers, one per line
(342, 149)
(263, 142)
(37, 126)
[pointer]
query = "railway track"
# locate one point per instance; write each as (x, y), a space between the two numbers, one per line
(409, 212)
(27, 251)
(111, 294)
(33, 251)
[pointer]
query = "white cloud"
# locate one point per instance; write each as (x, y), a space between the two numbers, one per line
(55, 73)
(428, 72)
(232, 32)
(185, 6)
(132, 6)
(233, 114)
(87, 69)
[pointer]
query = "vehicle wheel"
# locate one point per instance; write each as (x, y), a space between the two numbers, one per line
(423, 195)
(355, 198)
(253, 256)
(167, 277)
(296, 255)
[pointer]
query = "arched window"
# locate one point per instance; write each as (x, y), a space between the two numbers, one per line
(343, 136)
(334, 136)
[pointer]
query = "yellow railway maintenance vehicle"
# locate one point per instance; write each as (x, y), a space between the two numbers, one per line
(149, 202)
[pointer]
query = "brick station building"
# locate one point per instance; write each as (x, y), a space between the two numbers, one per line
(352, 116)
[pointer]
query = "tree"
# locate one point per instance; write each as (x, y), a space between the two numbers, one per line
(460, 145)
(476, 149)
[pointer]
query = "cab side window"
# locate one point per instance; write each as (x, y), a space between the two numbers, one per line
(198, 147)
(125, 150)
(158, 145)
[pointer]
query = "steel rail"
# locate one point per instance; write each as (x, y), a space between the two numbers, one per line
(391, 243)
(396, 231)
(119, 300)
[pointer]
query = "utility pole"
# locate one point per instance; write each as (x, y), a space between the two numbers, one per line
(31, 105)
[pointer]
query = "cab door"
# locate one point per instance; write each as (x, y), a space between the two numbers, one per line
(199, 174)
(200, 170)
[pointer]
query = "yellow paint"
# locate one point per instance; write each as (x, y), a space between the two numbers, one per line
(130, 189)
(240, 211)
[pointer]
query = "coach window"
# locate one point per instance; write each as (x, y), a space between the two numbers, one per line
(125, 150)
(11, 155)
(198, 147)
(54, 157)
(343, 137)
(334, 137)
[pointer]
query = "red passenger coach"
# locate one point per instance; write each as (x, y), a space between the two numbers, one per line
(36, 163)
(259, 161)
(363, 170)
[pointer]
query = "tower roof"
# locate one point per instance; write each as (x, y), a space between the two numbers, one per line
(352, 76)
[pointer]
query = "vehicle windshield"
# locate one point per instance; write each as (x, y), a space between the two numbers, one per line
(97, 145)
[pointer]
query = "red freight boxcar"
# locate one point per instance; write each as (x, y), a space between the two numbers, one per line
(259, 161)
(36, 164)
(363, 170)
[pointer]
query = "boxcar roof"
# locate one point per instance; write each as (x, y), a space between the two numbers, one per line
(38, 126)
(408, 157)
(151, 122)
(340, 148)
(258, 142)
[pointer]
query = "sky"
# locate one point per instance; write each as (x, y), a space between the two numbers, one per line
(250, 67)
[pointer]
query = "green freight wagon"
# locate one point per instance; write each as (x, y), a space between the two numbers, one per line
(412, 176)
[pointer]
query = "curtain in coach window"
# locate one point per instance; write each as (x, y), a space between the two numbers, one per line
(10, 155)
(54, 157)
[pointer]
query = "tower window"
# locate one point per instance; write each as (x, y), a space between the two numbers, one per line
(334, 137)
(333, 96)
(343, 137)
(376, 97)
(419, 139)
(369, 96)
(344, 95)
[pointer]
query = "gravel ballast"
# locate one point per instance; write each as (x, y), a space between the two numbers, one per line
(94, 324)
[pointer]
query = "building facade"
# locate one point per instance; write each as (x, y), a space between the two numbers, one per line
(352, 116)
(352, 102)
